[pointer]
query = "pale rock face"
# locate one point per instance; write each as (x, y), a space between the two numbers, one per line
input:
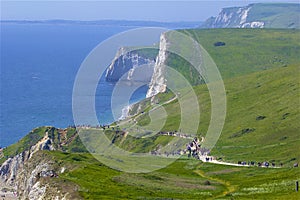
(5, 166)
(40, 170)
(21, 173)
(244, 15)
(130, 66)
(37, 192)
(253, 25)
(235, 18)
(224, 18)
(10, 168)
(158, 81)
(125, 112)
(43, 144)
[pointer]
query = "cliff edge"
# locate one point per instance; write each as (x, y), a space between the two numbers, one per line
(261, 15)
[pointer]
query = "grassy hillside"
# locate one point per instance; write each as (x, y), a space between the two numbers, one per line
(278, 15)
(249, 50)
(262, 117)
(261, 76)
(66, 140)
(267, 103)
(184, 179)
(243, 51)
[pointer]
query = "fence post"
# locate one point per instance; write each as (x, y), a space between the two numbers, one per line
(297, 186)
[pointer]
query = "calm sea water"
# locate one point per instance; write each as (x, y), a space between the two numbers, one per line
(38, 67)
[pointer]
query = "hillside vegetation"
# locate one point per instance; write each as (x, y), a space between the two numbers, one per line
(66, 140)
(261, 122)
(86, 178)
(248, 50)
(238, 52)
(261, 76)
(262, 87)
(278, 15)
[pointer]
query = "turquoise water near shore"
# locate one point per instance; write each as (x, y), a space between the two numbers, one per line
(39, 63)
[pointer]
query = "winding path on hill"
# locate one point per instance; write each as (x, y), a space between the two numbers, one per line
(229, 188)
(127, 120)
(203, 158)
(170, 100)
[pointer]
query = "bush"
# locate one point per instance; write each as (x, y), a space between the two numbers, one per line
(218, 44)
(207, 182)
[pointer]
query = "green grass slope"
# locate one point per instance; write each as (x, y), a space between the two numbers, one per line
(183, 179)
(248, 50)
(24, 144)
(262, 86)
(66, 140)
(271, 94)
(278, 15)
(268, 104)
(261, 122)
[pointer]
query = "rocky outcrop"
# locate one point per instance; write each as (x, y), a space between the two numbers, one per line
(140, 68)
(130, 66)
(24, 174)
(37, 191)
(158, 81)
(257, 15)
(236, 17)
(13, 172)
(10, 168)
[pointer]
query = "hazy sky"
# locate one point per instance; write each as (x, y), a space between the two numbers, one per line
(129, 10)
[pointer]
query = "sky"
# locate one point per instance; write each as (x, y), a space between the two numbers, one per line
(166, 11)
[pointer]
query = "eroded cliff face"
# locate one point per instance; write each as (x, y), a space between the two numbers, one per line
(237, 17)
(158, 81)
(28, 175)
(130, 66)
(147, 69)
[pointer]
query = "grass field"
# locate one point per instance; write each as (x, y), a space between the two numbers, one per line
(261, 76)
(184, 179)
(249, 50)
(256, 101)
(261, 122)
(276, 15)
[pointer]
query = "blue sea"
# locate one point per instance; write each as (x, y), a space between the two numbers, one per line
(39, 63)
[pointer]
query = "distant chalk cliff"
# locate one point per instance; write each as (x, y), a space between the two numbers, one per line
(237, 17)
(136, 65)
(261, 15)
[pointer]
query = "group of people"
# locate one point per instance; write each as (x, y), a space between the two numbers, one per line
(89, 126)
(263, 164)
(175, 134)
(259, 164)
(194, 149)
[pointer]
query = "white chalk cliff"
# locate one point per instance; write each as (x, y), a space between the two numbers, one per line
(130, 66)
(236, 17)
(158, 82)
